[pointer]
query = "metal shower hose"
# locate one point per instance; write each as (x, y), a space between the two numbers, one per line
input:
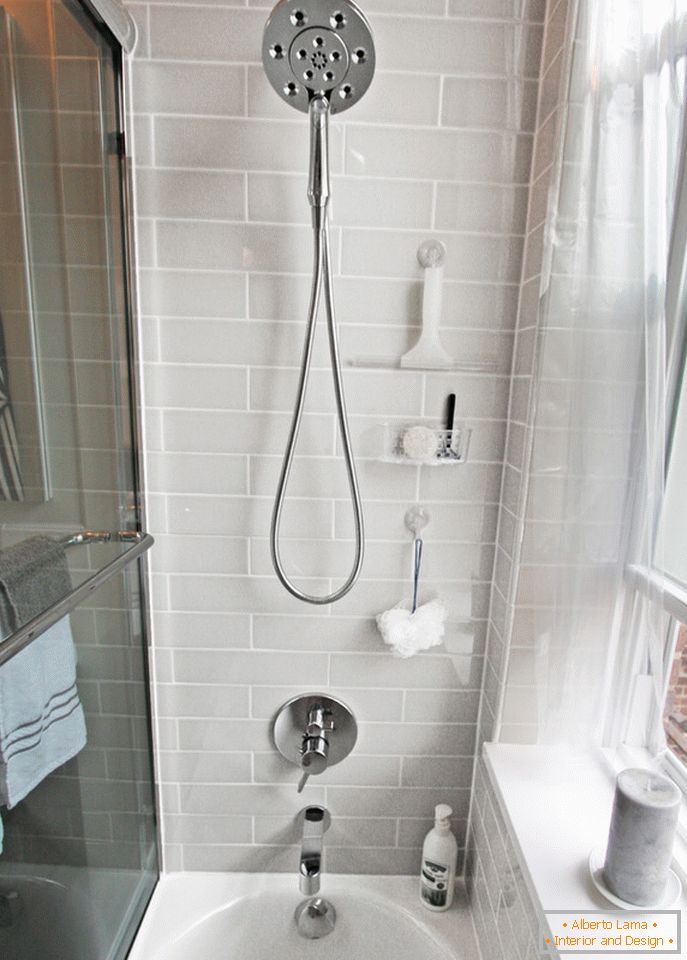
(322, 276)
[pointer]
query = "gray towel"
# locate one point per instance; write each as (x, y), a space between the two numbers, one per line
(33, 576)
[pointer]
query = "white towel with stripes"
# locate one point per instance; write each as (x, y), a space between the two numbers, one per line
(42, 721)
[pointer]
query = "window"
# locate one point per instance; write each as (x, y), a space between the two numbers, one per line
(673, 551)
(652, 694)
(675, 708)
(673, 527)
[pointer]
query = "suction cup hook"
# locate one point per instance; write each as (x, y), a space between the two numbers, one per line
(416, 519)
(431, 253)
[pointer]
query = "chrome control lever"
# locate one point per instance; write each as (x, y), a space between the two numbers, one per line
(314, 731)
(302, 782)
(315, 747)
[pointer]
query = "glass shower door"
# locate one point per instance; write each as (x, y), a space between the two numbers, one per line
(78, 857)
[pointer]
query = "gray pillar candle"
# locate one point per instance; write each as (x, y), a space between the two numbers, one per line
(640, 841)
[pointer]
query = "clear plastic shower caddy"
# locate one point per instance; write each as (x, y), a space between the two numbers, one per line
(451, 445)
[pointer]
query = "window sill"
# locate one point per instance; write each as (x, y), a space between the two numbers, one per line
(557, 804)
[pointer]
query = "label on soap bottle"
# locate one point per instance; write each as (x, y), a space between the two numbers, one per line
(434, 883)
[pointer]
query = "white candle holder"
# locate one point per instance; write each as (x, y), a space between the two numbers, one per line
(671, 894)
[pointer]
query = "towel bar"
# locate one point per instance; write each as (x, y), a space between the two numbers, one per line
(101, 536)
(21, 638)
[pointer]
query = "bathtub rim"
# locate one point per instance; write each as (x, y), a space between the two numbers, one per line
(183, 900)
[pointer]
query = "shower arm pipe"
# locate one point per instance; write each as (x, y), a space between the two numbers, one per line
(318, 197)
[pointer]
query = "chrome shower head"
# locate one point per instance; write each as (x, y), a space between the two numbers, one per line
(318, 48)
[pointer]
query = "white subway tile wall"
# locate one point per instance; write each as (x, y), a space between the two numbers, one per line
(441, 146)
(505, 908)
(509, 704)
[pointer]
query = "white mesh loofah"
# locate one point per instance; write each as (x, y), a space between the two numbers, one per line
(407, 633)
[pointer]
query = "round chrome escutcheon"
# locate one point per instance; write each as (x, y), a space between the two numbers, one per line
(291, 723)
(316, 46)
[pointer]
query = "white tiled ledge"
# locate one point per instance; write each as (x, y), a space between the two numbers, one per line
(557, 806)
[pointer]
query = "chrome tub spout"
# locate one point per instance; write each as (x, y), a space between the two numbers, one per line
(315, 917)
(315, 822)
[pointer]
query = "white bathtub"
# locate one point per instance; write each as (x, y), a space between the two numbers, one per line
(219, 916)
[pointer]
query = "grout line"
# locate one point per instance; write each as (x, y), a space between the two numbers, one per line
(344, 148)
(392, 17)
(149, 33)
(331, 786)
(247, 395)
(246, 206)
(387, 372)
(301, 226)
(299, 175)
(373, 723)
(152, 142)
(419, 128)
(153, 230)
(340, 252)
(360, 278)
(440, 102)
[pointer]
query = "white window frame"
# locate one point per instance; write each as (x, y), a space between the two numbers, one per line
(674, 593)
(629, 707)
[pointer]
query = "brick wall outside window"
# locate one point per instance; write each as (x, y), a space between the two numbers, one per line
(675, 715)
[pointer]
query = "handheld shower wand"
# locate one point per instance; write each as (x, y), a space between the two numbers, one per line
(318, 182)
(320, 58)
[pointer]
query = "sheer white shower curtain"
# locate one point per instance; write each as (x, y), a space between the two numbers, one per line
(597, 459)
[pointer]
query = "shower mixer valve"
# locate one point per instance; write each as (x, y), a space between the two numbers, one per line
(314, 731)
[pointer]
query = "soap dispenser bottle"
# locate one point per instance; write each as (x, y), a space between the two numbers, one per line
(439, 858)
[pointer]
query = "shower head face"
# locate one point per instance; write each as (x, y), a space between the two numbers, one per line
(315, 47)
